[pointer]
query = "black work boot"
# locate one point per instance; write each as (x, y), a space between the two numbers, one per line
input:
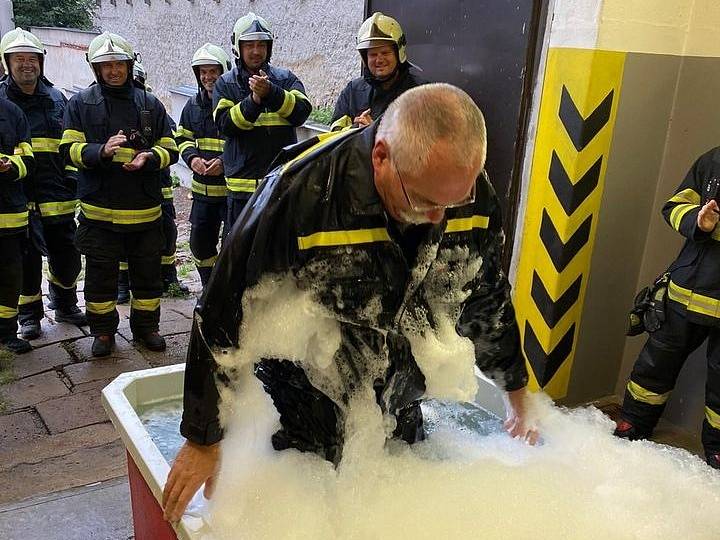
(152, 341)
(626, 430)
(30, 329)
(103, 345)
(72, 315)
(15, 344)
(123, 287)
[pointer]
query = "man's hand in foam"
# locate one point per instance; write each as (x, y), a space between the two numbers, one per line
(194, 465)
(518, 423)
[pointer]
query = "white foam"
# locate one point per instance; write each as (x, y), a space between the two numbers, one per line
(581, 483)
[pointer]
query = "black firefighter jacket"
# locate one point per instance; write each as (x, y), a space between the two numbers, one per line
(364, 93)
(14, 147)
(695, 274)
(51, 189)
(111, 197)
(198, 136)
(255, 134)
(321, 218)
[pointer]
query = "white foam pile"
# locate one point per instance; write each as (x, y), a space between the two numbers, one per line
(580, 483)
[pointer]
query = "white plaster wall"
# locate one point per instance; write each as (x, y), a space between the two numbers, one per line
(314, 38)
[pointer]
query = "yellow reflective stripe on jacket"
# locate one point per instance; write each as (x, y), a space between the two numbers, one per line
(205, 263)
(712, 417)
(76, 154)
(182, 132)
(185, 145)
(163, 155)
(686, 196)
(8, 312)
(25, 299)
(70, 168)
(59, 208)
(467, 224)
(123, 265)
(143, 304)
(246, 185)
(289, 102)
(343, 238)
(213, 145)
(209, 189)
(271, 119)
(323, 139)
(124, 155)
(23, 149)
(120, 217)
(14, 220)
(166, 142)
(167, 192)
(222, 104)
(679, 212)
(17, 160)
(100, 308)
(41, 144)
(167, 259)
(646, 396)
(344, 122)
(238, 118)
(705, 305)
(72, 136)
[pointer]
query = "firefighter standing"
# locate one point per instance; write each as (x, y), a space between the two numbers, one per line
(201, 147)
(257, 107)
(692, 313)
(118, 136)
(387, 73)
(50, 189)
(16, 162)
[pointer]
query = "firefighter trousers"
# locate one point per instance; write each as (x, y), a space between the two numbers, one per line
(103, 250)
(170, 232)
(11, 279)
(658, 366)
(235, 206)
(63, 270)
(206, 219)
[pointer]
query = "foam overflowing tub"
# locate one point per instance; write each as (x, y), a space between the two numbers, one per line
(145, 407)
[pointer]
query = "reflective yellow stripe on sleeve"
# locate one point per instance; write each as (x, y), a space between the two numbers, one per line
(145, 304)
(72, 136)
(712, 417)
(209, 144)
(167, 259)
(23, 149)
(679, 212)
(19, 163)
(185, 145)
(222, 104)
(343, 238)
(76, 154)
(163, 155)
(238, 118)
(124, 155)
(120, 217)
(70, 168)
(8, 312)
(686, 196)
(182, 132)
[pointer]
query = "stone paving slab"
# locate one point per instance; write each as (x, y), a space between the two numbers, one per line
(180, 305)
(33, 390)
(53, 332)
(167, 328)
(40, 360)
(84, 466)
(175, 353)
(124, 358)
(53, 446)
(19, 427)
(100, 511)
(71, 412)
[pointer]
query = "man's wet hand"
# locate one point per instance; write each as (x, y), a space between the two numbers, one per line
(194, 465)
(518, 423)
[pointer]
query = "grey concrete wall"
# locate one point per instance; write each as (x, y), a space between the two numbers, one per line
(314, 38)
(629, 205)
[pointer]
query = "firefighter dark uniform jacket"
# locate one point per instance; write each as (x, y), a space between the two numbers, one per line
(198, 136)
(365, 93)
(321, 218)
(15, 147)
(695, 279)
(254, 133)
(111, 197)
(51, 188)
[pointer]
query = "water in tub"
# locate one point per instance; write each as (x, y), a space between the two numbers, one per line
(469, 479)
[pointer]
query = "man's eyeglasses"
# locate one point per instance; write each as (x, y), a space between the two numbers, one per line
(423, 208)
